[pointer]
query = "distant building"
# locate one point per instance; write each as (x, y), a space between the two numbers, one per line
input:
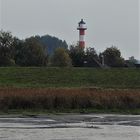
(137, 64)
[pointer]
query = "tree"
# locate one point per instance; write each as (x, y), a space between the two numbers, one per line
(19, 52)
(77, 55)
(113, 58)
(51, 43)
(91, 58)
(6, 49)
(61, 58)
(30, 53)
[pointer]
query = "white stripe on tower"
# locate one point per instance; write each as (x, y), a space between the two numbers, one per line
(81, 38)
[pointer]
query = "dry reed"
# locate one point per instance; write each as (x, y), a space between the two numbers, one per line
(68, 98)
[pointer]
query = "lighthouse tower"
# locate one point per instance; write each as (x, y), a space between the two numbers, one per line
(82, 28)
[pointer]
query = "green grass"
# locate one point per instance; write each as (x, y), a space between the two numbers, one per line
(41, 77)
(34, 112)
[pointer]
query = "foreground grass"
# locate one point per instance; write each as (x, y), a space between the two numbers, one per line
(69, 77)
(84, 100)
(36, 112)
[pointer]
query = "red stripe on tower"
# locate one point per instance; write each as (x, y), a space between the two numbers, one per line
(82, 32)
(82, 44)
(82, 29)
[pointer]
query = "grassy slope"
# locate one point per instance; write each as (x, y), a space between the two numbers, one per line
(69, 77)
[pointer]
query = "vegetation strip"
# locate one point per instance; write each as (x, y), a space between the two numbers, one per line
(42, 77)
(69, 98)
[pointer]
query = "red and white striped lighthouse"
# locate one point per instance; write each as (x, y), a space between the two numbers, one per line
(82, 28)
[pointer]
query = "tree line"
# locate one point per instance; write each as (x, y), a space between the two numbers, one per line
(51, 51)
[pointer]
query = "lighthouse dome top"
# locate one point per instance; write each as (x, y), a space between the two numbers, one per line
(82, 25)
(82, 22)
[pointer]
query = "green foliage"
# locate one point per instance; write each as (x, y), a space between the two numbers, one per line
(30, 53)
(112, 57)
(51, 43)
(6, 49)
(33, 51)
(61, 58)
(91, 58)
(80, 58)
(77, 55)
(36, 51)
(69, 77)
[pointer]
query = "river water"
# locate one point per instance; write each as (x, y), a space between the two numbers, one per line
(70, 127)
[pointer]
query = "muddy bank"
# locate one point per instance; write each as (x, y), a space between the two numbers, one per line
(95, 119)
(70, 127)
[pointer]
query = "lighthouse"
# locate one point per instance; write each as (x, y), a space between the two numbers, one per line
(82, 28)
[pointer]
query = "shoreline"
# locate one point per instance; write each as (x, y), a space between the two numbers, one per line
(38, 112)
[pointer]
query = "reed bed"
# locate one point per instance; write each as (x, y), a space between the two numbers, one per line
(68, 98)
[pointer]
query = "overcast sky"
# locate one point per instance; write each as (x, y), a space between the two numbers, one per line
(109, 22)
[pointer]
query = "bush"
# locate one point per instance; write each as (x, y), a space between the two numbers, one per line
(61, 58)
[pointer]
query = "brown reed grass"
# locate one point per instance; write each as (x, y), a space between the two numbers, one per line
(68, 98)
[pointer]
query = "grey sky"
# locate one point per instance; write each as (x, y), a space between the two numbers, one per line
(109, 22)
